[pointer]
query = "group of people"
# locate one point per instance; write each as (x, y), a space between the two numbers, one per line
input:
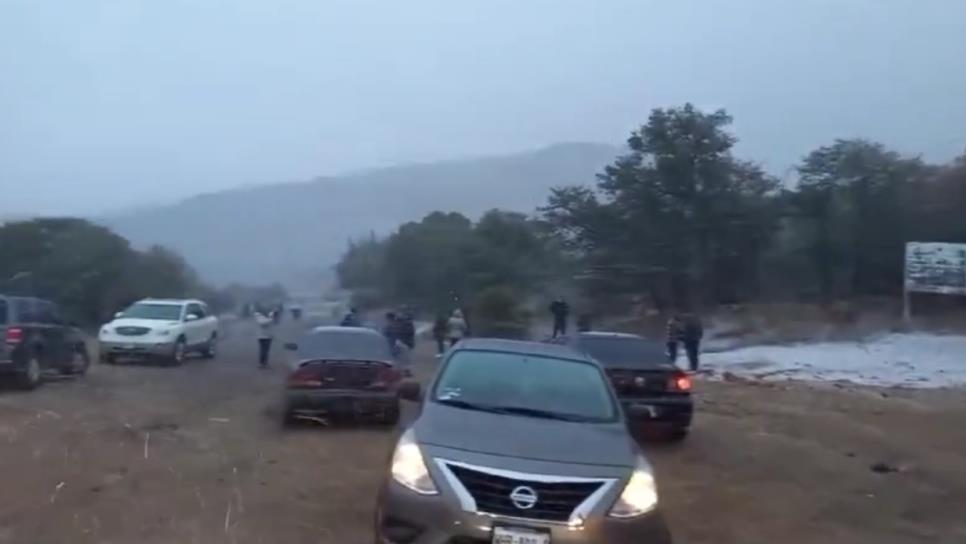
(685, 329)
(399, 326)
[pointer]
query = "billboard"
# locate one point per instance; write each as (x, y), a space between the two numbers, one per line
(936, 267)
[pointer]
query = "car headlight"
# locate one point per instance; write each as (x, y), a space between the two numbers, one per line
(105, 330)
(409, 469)
(639, 496)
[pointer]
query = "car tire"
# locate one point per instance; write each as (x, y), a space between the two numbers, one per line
(390, 417)
(178, 352)
(31, 374)
(79, 363)
(210, 350)
(679, 434)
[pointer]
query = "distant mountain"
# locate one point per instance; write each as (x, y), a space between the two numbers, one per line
(295, 232)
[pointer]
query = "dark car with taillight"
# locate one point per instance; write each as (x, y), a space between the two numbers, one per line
(37, 340)
(343, 372)
(653, 391)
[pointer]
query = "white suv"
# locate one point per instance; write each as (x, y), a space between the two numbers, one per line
(168, 329)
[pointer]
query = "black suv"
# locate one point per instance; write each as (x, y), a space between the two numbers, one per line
(35, 339)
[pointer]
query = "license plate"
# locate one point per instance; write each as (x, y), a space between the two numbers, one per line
(510, 535)
(651, 410)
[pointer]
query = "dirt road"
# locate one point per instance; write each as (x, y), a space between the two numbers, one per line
(137, 454)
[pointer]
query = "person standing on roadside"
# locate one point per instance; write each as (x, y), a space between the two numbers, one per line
(674, 332)
(390, 329)
(456, 327)
(351, 319)
(692, 332)
(266, 328)
(440, 330)
(407, 327)
(560, 311)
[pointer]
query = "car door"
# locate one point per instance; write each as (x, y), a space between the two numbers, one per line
(48, 339)
(209, 323)
(194, 329)
(60, 341)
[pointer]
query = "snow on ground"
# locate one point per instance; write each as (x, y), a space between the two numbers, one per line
(899, 359)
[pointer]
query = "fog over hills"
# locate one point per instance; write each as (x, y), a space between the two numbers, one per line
(295, 232)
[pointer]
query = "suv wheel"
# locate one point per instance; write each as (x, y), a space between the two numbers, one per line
(211, 348)
(79, 362)
(178, 353)
(31, 374)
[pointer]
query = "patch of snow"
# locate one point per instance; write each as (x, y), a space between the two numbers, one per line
(901, 359)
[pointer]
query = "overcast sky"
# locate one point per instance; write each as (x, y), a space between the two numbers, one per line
(112, 103)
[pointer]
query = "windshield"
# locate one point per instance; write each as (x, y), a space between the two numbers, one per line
(617, 352)
(161, 312)
(526, 383)
(352, 345)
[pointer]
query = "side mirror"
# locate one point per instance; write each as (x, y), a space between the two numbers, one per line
(411, 391)
(118, 315)
(192, 317)
(291, 346)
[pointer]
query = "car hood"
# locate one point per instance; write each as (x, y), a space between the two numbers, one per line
(135, 322)
(525, 437)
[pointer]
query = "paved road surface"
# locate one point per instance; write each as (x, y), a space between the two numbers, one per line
(143, 455)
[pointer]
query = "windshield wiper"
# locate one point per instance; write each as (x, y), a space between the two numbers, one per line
(537, 412)
(466, 405)
(515, 410)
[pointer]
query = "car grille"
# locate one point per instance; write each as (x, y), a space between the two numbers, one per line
(556, 501)
(132, 331)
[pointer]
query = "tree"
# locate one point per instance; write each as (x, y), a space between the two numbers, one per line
(678, 216)
(90, 271)
(445, 256)
(857, 194)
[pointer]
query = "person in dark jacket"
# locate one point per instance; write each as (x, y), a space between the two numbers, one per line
(407, 328)
(390, 329)
(692, 332)
(560, 311)
(674, 331)
(351, 319)
(440, 331)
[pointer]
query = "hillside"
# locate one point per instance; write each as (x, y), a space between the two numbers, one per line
(294, 232)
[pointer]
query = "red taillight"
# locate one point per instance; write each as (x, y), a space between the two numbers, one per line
(387, 375)
(680, 382)
(14, 335)
(307, 376)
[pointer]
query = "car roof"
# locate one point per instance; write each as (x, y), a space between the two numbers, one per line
(348, 330)
(607, 334)
(170, 301)
(350, 343)
(523, 348)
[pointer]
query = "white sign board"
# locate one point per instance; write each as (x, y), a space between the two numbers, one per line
(936, 267)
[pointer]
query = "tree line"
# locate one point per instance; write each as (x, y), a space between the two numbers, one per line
(91, 272)
(680, 220)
